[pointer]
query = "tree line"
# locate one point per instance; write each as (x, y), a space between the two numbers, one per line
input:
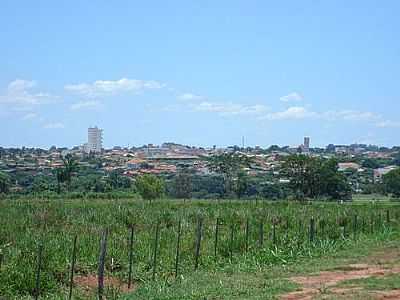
(301, 177)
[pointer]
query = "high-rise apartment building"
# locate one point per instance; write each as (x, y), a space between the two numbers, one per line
(306, 145)
(95, 140)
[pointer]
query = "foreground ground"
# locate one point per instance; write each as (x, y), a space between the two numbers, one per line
(366, 271)
(355, 253)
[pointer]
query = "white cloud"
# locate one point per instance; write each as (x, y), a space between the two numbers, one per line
(300, 112)
(350, 115)
(105, 87)
(294, 112)
(29, 116)
(388, 124)
(226, 109)
(292, 97)
(56, 125)
(189, 97)
(91, 104)
(19, 95)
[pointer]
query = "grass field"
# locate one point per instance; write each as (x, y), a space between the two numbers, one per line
(259, 246)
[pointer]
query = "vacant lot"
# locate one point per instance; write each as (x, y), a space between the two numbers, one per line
(226, 249)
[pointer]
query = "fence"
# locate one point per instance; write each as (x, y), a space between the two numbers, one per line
(213, 238)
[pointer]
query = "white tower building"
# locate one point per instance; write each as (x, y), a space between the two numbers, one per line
(95, 140)
(306, 145)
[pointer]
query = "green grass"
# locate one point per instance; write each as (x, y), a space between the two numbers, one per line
(389, 282)
(256, 274)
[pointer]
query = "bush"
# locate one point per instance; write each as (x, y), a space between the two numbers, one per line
(150, 187)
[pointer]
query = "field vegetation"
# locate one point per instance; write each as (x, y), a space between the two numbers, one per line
(216, 238)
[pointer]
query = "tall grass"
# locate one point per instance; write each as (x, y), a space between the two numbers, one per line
(24, 224)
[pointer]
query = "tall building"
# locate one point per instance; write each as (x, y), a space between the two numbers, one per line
(95, 140)
(306, 145)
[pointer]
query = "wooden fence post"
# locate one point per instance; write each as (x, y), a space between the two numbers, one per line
(38, 270)
(130, 257)
(345, 229)
(1, 259)
(178, 242)
(355, 225)
(231, 243)
(247, 235)
(157, 233)
(72, 270)
(198, 242)
(312, 229)
(102, 261)
(322, 228)
(216, 238)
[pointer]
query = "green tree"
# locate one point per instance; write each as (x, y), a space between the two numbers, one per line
(391, 181)
(70, 167)
(242, 184)
(42, 183)
(5, 183)
(229, 165)
(65, 173)
(150, 187)
(116, 181)
(371, 163)
(313, 177)
(396, 159)
(183, 185)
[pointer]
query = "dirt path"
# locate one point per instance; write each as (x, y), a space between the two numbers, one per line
(324, 285)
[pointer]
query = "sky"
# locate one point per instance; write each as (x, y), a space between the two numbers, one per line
(201, 73)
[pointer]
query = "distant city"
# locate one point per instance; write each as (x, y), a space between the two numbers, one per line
(169, 157)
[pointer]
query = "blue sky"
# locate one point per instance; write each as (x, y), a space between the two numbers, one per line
(199, 72)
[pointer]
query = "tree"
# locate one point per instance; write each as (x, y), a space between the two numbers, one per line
(183, 185)
(391, 181)
(242, 184)
(117, 181)
(150, 187)
(396, 159)
(371, 163)
(273, 148)
(42, 183)
(70, 166)
(64, 174)
(312, 177)
(5, 183)
(229, 166)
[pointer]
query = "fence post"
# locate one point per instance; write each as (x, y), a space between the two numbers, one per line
(38, 270)
(155, 249)
(73, 260)
(387, 217)
(300, 233)
(178, 242)
(355, 225)
(102, 261)
(362, 224)
(261, 234)
(372, 223)
(322, 229)
(216, 238)
(274, 232)
(231, 243)
(344, 228)
(198, 242)
(130, 257)
(312, 229)
(247, 234)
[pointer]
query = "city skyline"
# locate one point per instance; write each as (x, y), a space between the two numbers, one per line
(199, 74)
